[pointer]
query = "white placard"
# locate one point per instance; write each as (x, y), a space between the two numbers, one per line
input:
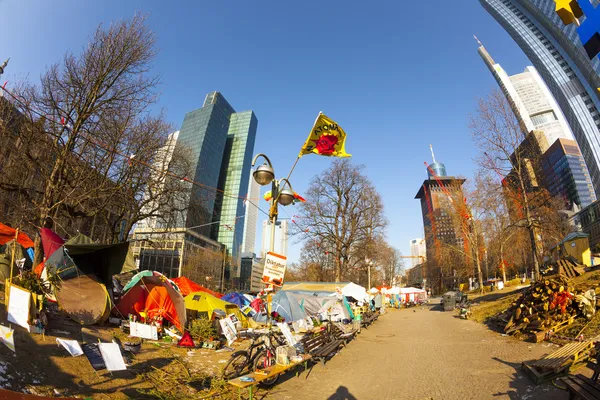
(143, 331)
(274, 269)
(18, 306)
(72, 346)
(111, 354)
(228, 329)
(285, 329)
(7, 336)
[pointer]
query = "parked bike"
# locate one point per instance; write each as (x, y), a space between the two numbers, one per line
(260, 355)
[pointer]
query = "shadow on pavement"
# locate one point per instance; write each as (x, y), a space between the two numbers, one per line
(341, 393)
(436, 307)
(522, 387)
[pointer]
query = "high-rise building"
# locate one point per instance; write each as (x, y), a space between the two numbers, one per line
(281, 238)
(221, 143)
(531, 100)
(251, 217)
(565, 174)
(417, 249)
(561, 60)
(437, 198)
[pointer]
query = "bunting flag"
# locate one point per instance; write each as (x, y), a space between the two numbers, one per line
(7, 337)
(326, 138)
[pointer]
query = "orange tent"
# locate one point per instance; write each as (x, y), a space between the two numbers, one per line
(7, 234)
(187, 286)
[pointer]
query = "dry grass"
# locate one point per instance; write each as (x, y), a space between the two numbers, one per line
(487, 309)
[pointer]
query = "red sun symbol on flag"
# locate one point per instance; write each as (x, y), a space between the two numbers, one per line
(326, 144)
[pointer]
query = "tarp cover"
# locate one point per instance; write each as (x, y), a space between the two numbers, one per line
(7, 234)
(286, 305)
(103, 260)
(187, 286)
(135, 300)
(355, 291)
(50, 241)
(84, 299)
(236, 298)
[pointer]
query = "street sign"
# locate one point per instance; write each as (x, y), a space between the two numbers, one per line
(274, 269)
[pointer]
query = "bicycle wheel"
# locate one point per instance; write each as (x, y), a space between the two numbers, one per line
(237, 364)
(262, 361)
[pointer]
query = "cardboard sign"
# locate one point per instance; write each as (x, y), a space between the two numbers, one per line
(143, 331)
(111, 354)
(7, 336)
(228, 329)
(72, 346)
(18, 306)
(274, 269)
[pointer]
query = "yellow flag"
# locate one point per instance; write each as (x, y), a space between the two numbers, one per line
(326, 138)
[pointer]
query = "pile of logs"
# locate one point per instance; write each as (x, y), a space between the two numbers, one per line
(545, 305)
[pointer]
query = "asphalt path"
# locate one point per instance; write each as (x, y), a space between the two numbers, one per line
(423, 353)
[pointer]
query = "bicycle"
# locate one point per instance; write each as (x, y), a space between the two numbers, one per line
(260, 355)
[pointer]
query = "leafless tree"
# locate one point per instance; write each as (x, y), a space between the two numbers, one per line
(343, 209)
(505, 150)
(90, 144)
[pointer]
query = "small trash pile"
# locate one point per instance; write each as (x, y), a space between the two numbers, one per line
(547, 304)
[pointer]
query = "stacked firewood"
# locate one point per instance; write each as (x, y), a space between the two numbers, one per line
(546, 304)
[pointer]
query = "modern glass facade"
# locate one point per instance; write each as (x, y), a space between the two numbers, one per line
(221, 143)
(565, 174)
(571, 77)
(235, 173)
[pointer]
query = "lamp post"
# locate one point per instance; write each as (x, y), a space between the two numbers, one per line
(281, 191)
(369, 263)
(4, 64)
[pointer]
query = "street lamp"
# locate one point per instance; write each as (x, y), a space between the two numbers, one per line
(281, 190)
(4, 64)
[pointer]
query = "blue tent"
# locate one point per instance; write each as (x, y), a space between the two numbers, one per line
(286, 305)
(236, 298)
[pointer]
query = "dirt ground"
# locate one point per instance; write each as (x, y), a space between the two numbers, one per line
(423, 353)
(40, 366)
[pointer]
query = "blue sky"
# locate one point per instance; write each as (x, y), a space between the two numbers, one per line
(396, 75)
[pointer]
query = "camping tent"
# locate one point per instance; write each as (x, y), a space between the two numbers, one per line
(202, 302)
(151, 293)
(286, 304)
(50, 241)
(355, 291)
(236, 298)
(187, 286)
(411, 294)
(84, 299)
(336, 310)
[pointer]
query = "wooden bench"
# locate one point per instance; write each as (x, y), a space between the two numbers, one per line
(258, 378)
(321, 346)
(343, 332)
(368, 318)
(581, 387)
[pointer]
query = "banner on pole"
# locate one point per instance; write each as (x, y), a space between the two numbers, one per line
(274, 269)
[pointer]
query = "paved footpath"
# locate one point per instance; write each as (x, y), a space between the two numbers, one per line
(423, 353)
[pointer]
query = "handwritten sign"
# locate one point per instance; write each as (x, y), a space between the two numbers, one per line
(18, 306)
(137, 329)
(274, 269)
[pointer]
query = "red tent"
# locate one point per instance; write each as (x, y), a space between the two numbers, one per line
(187, 286)
(50, 241)
(7, 234)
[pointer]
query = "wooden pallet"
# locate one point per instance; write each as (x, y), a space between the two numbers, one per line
(558, 363)
(569, 269)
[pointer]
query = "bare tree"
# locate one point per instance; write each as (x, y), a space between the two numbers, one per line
(89, 144)
(502, 140)
(343, 209)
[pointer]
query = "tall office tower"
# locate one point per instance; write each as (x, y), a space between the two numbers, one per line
(281, 238)
(251, 217)
(530, 99)
(418, 250)
(221, 143)
(438, 206)
(562, 62)
(566, 175)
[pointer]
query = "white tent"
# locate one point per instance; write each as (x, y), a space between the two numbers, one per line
(393, 290)
(357, 292)
(373, 290)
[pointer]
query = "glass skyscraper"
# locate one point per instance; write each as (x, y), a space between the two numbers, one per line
(220, 142)
(560, 59)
